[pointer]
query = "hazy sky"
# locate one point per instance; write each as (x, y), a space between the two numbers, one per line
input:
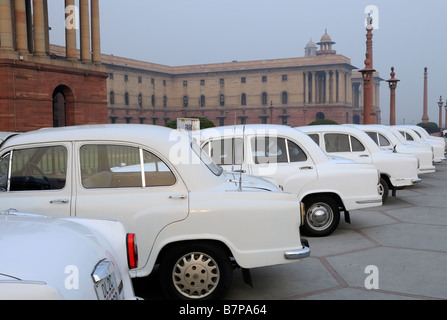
(411, 35)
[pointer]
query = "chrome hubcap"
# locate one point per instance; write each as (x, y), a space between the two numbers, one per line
(196, 275)
(320, 216)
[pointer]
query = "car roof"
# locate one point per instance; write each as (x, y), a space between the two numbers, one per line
(253, 129)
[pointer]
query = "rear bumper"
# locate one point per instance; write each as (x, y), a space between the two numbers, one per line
(298, 254)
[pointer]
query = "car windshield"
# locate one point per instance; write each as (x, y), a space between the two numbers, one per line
(214, 168)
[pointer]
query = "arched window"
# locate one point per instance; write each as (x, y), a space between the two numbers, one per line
(264, 98)
(202, 100)
(243, 99)
(284, 97)
(320, 116)
(126, 98)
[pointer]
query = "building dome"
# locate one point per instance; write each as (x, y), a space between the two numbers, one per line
(311, 49)
(325, 44)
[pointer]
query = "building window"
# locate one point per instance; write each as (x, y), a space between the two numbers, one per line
(165, 101)
(284, 97)
(126, 78)
(202, 100)
(264, 119)
(202, 82)
(112, 97)
(164, 83)
(140, 79)
(221, 122)
(153, 100)
(284, 77)
(185, 101)
(264, 78)
(284, 120)
(243, 80)
(154, 121)
(152, 81)
(264, 99)
(142, 120)
(221, 81)
(320, 116)
(244, 99)
(222, 100)
(140, 100)
(126, 98)
(243, 120)
(185, 83)
(111, 76)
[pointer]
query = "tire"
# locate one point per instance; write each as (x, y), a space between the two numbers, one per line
(322, 216)
(195, 272)
(383, 189)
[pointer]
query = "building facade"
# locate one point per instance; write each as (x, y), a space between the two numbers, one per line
(40, 89)
(293, 91)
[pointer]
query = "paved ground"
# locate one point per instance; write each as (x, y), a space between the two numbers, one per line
(405, 239)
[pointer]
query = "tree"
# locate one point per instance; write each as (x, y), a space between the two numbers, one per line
(204, 123)
(322, 121)
(431, 127)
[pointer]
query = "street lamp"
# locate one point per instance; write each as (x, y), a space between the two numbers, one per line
(440, 103)
(445, 123)
(392, 84)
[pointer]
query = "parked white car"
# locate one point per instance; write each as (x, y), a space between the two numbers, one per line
(386, 139)
(194, 220)
(326, 185)
(396, 170)
(47, 258)
(411, 135)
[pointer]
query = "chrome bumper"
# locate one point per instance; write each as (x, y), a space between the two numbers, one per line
(416, 181)
(298, 254)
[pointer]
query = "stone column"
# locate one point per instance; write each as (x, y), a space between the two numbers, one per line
(368, 80)
(96, 43)
(392, 83)
(39, 27)
(20, 24)
(85, 31)
(6, 40)
(425, 118)
(70, 30)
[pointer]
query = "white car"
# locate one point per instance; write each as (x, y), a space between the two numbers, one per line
(47, 258)
(191, 218)
(384, 137)
(409, 133)
(396, 170)
(326, 185)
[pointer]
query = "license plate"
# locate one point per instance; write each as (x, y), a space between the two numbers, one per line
(105, 282)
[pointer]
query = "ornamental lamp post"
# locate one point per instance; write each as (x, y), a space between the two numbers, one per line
(440, 103)
(392, 83)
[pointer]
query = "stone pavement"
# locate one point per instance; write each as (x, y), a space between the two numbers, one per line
(405, 240)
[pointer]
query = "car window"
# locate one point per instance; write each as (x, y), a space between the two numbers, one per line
(120, 166)
(43, 168)
(4, 170)
(384, 142)
(225, 151)
(296, 154)
(356, 145)
(337, 142)
(315, 137)
(373, 135)
(269, 150)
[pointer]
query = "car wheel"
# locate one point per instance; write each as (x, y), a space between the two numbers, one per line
(383, 189)
(322, 216)
(200, 272)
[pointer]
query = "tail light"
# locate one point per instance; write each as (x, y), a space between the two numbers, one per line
(132, 250)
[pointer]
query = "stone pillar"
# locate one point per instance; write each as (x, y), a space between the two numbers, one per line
(20, 24)
(85, 31)
(39, 27)
(392, 82)
(70, 30)
(425, 118)
(368, 80)
(6, 39)
(96, 43)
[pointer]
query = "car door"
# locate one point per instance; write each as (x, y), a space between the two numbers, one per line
(281, 159)
(37, 179)
(346, 146)
(130, 184)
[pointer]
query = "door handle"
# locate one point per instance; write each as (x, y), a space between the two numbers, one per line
(364, 156)
(59, 201)
(180, 197)
(306, 168)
